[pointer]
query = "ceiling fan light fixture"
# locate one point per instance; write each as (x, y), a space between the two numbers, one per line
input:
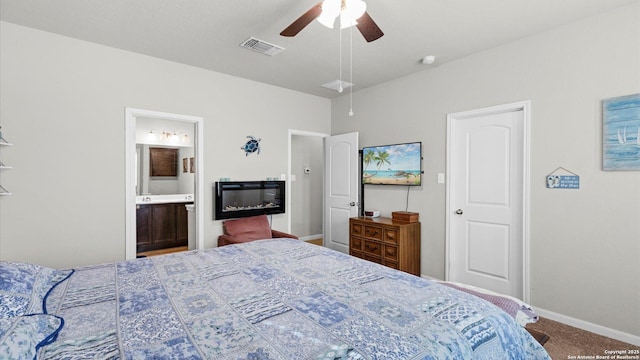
(330, 11)
(353, 10)
(346, 21)
(326, 20)
(348, 10)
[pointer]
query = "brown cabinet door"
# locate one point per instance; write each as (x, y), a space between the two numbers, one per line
(163, 225)
(182, 226)
(143, 226)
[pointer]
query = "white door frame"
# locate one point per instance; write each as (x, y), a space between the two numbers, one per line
(130, 187)
(293, 132)
(525, 106)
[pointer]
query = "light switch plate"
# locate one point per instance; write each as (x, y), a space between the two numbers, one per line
(440, 178)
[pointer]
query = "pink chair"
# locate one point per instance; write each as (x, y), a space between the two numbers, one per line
(247, 229)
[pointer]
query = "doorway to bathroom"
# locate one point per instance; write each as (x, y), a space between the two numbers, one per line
(305, 186)
(164, 182)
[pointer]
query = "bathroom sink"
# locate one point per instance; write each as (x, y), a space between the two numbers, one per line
(164, 199)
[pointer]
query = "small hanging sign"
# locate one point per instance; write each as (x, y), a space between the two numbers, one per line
(557, 181)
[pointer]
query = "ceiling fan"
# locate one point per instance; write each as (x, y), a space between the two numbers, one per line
(351, 12)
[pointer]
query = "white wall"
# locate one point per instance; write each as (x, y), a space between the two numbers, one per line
(63, 105)
(306, 190)
(585, 244)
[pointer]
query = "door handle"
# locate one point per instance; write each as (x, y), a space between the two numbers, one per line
(353, 203)
(459, 212)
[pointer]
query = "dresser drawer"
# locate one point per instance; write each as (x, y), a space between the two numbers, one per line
(357, 229)
(372, 248)
(391, 235)
(392, 264)
(372, 258)
(373, 232)
(391, 253)
(356, 244)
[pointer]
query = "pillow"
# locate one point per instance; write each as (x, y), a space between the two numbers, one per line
(24, 287)
(249, 228)
(22, 336)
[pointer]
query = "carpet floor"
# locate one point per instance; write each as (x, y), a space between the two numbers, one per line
(566, 342)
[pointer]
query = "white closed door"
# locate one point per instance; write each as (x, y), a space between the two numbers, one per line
(486, 203)
(341, 189)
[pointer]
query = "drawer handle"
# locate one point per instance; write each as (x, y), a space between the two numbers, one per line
(373, 233)
(374, 248)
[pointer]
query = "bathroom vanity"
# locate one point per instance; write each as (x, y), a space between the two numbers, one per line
(161, 221)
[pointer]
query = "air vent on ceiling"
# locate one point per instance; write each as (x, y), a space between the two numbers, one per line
(261, 46)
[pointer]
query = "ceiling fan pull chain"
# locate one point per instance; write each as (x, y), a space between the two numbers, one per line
(351, 70)
(340, 88)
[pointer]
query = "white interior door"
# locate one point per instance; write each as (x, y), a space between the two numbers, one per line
(341, 189)
(486, 198)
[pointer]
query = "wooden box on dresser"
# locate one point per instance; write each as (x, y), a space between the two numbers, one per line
(387, 242)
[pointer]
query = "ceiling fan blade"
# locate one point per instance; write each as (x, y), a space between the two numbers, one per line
(368, 28)
(303, 21)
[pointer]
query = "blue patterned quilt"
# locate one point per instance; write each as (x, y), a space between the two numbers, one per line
(274, 299)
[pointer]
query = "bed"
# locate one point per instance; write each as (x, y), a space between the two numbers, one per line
(267, 299)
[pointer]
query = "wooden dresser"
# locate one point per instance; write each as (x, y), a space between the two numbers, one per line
(386, 242)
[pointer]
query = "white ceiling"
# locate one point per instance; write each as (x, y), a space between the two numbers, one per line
(206, 33)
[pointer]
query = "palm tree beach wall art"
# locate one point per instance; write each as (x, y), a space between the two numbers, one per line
(621, 133)
(396, 164)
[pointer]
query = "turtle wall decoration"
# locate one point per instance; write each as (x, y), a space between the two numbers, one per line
(251, 146)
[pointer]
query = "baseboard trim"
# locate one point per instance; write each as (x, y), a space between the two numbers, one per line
(310, 237)
(594, 328)
(429, 277)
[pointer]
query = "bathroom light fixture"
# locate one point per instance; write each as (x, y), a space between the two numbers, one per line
(168, 136)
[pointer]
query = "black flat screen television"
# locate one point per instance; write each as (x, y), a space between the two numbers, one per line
(396, 164)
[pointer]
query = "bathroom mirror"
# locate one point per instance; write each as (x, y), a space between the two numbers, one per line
(164, 157)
